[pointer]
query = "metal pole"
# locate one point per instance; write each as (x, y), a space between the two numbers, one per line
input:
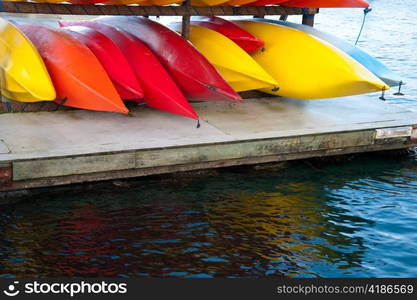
(308, 19)
(185, 30)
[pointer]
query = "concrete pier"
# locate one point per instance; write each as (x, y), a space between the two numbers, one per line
(54, 148)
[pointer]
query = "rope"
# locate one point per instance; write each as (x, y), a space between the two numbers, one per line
(365, 13)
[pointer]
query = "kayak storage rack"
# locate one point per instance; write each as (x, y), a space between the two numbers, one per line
(185, 10)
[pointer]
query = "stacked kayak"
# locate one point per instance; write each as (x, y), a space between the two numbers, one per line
(244, 39)
(192, 72)
(66, 59)
(292, 3)
(266, 2)
(306, 67)
(97, 64)
(160, 90)
(372, 64)
(326, 3)
(23, 74)
(207, 2)
(236, 66)
(113, 61)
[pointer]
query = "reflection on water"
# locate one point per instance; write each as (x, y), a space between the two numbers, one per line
(349, 219)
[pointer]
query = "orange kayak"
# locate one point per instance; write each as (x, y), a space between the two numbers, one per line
(266, 2)
(161, 92)
(326, 3)
(79, 79)
(113, 61)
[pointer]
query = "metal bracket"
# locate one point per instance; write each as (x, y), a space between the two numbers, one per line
(396, 132)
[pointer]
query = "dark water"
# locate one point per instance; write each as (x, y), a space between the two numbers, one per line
(348, 218)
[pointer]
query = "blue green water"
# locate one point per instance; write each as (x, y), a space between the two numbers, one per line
(353, 217)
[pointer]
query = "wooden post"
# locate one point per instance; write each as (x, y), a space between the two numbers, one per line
(308, 19)
(185, 29)
(6, 175)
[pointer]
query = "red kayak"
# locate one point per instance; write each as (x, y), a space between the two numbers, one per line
(112, 59)
(86, 1)
(326, 3)
(244, 39)
(79, 79)
(160, 90)
(265, 2)
(197, 78)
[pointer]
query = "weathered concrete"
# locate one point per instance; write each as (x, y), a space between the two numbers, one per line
(52, 148)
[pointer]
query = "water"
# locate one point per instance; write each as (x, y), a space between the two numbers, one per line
(348, 218)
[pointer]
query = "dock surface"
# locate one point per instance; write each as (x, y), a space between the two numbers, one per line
(55, 148)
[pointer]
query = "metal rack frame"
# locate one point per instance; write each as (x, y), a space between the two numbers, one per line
(185, 10)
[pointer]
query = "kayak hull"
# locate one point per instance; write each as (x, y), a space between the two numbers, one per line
(244, 39)
(238, 2)
(236, 66)
(266, 2)
(207, 2)
(307, 67)
(160, 90)
(112, 59)
(192, 72)
(371, 63)
(326, 3)
(77, 75)
(22, 69)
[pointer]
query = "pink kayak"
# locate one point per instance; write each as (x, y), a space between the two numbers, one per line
(193, 73)
(112, 60)
(160, 90)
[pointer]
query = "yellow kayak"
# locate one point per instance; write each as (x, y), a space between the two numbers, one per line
(128, 2)
(48, 1)
(236, 66)
(238, 2)
(165, 2)
(207, 2)
(307, 67)
(20, 97)
(22, 70)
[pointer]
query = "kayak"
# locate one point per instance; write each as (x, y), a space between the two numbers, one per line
(79, 79)
(127, 2)
(326, 3)
(266, 2)
(244, 39)
(207, 2)
(238, 2)
(144, 2)
(160, 90)
(307, 67)
(236, 66)
(85, 1)
(47, 1)
(112, 59)
(369, 62)
(192, 72)
(22, 70)
(165, 2)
